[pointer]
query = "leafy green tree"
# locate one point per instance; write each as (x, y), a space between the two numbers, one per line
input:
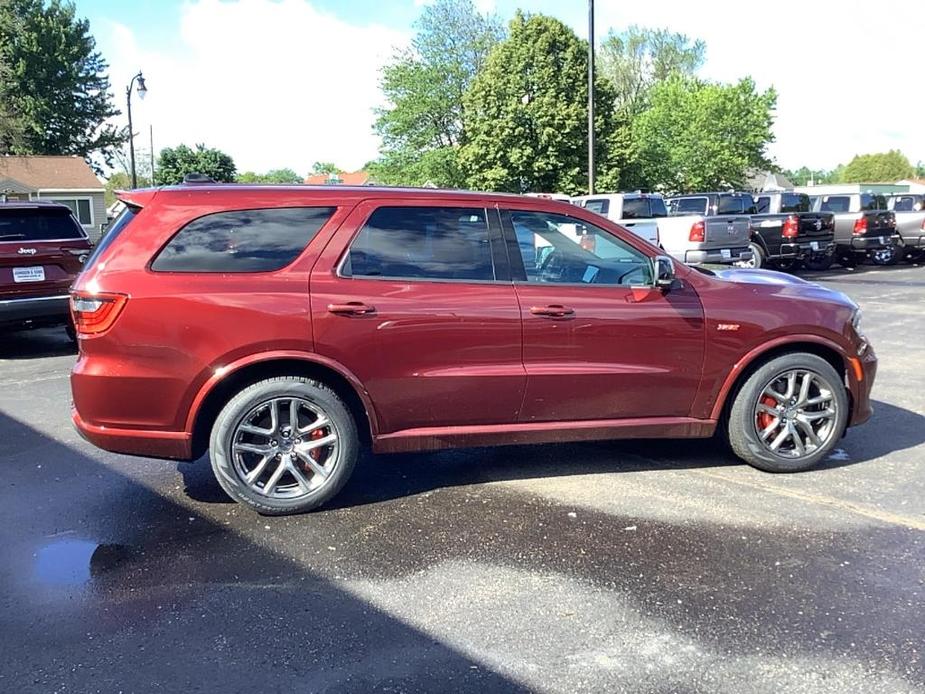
(325, 167)
(803, 175)
(699, 135)
(174, 164)
(882, 167)
(53, 88)
(920, 170)
(423, 127)
(280, 176)
(637, 59)
(526, 113)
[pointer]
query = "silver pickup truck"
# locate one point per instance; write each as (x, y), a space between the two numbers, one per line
(638, 212)
(701, 228)
(909, 210)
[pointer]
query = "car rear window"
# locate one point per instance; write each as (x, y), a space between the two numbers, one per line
(794, 202)
(635, 208)
(682, 206)
(428, 243)
(730, 204)
(599, 205)
(835, 203)
(658, 207)
(872, 202)
(19, 224)
(905, 203)
(242, 240)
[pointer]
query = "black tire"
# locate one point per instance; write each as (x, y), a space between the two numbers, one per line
(788, 264)
(822, 261)
(758, 258)
(312, 393)
(742, 424)
(887, 256)
(70, 332)
(848, 260)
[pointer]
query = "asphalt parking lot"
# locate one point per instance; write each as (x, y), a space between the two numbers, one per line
(623, 566)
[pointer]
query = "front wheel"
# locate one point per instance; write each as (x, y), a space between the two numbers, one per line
(789, 414)
(284, 445)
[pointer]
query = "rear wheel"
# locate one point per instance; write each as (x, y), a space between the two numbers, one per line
(821, 261)
(756, 261)
(789, 414)
(887, 256)
(284, 445)
(789, 264)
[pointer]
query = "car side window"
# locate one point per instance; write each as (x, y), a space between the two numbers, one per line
(242, 240)
(423, 243)
(564, 250)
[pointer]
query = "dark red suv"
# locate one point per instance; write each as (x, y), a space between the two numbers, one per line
(42, 248)
(281, 328)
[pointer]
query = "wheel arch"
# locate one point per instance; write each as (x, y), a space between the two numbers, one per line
(222, 387)
(811, 344)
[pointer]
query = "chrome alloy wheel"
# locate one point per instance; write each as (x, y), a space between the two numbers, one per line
(796, 414)
(285, 448)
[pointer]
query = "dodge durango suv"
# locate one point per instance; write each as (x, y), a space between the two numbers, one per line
(280, 329)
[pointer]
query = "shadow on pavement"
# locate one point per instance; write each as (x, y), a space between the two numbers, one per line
(35, 344)
(106, 585)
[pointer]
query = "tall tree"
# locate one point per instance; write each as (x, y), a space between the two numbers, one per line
(278, 176)
(526, 114)
(700, 136)
(804, 175)
(882, 167)
(325, 167)
(174, 164)
(637, 59)
(54, 84)
(423, 127)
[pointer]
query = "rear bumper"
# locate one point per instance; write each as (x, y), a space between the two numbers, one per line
(43, 309)
(862, 244)
(805, 248)
(719, 256)
(144, 442)
(913, 241)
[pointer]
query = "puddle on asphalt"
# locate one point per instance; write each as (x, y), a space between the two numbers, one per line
(74, 562)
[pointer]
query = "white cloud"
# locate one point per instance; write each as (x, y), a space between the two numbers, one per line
(274, 84)
(846, 73)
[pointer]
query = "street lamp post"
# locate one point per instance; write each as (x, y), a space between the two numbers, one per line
(590, 97)
(142, 90)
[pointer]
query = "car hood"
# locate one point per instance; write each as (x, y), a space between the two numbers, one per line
(772, 282)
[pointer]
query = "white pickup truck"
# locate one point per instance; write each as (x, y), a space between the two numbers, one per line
(638, 212)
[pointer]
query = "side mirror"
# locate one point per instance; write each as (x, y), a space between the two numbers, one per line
(663, 272)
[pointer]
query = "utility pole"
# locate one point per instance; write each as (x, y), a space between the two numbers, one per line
(151, 144)
(590, 97)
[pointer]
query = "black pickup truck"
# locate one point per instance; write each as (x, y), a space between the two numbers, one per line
(786, 232)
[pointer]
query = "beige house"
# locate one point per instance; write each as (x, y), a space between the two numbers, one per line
(65, 179)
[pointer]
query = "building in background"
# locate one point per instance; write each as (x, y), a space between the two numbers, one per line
(65, 179)
(342, 178)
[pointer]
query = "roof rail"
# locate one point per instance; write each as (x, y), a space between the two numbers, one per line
(197, 178)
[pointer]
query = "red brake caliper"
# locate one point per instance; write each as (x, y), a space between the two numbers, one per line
(765, 419)
(315, 453)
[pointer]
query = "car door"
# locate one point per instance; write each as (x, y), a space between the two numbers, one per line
(414, 297)
(600, 341)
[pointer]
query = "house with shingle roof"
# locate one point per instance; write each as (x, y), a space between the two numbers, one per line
(65, 179)
(343, 178)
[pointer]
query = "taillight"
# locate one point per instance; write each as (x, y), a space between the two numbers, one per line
(860, 227)
(698, 232)
(791, 227)
(94, 314)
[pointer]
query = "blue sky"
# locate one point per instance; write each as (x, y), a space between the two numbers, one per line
(283, 83)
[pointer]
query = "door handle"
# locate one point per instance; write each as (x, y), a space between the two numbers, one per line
(351, 308)
(552, 311)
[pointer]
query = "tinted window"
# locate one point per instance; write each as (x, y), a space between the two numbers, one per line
(440, 243)
(242, 240)
(682, 206)
(635, 208)
(599, 205)
(558, 249)
(763, 205)
(112, 232)
(38, 224)
(658, 207)
(794, 202)
(904, 203)
(835, 203)
(730, 204)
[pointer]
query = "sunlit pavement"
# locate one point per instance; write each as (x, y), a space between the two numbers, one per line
(639, 566)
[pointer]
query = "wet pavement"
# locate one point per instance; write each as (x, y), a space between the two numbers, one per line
(619, 566)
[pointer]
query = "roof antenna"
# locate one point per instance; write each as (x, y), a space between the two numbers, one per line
(197, 178)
